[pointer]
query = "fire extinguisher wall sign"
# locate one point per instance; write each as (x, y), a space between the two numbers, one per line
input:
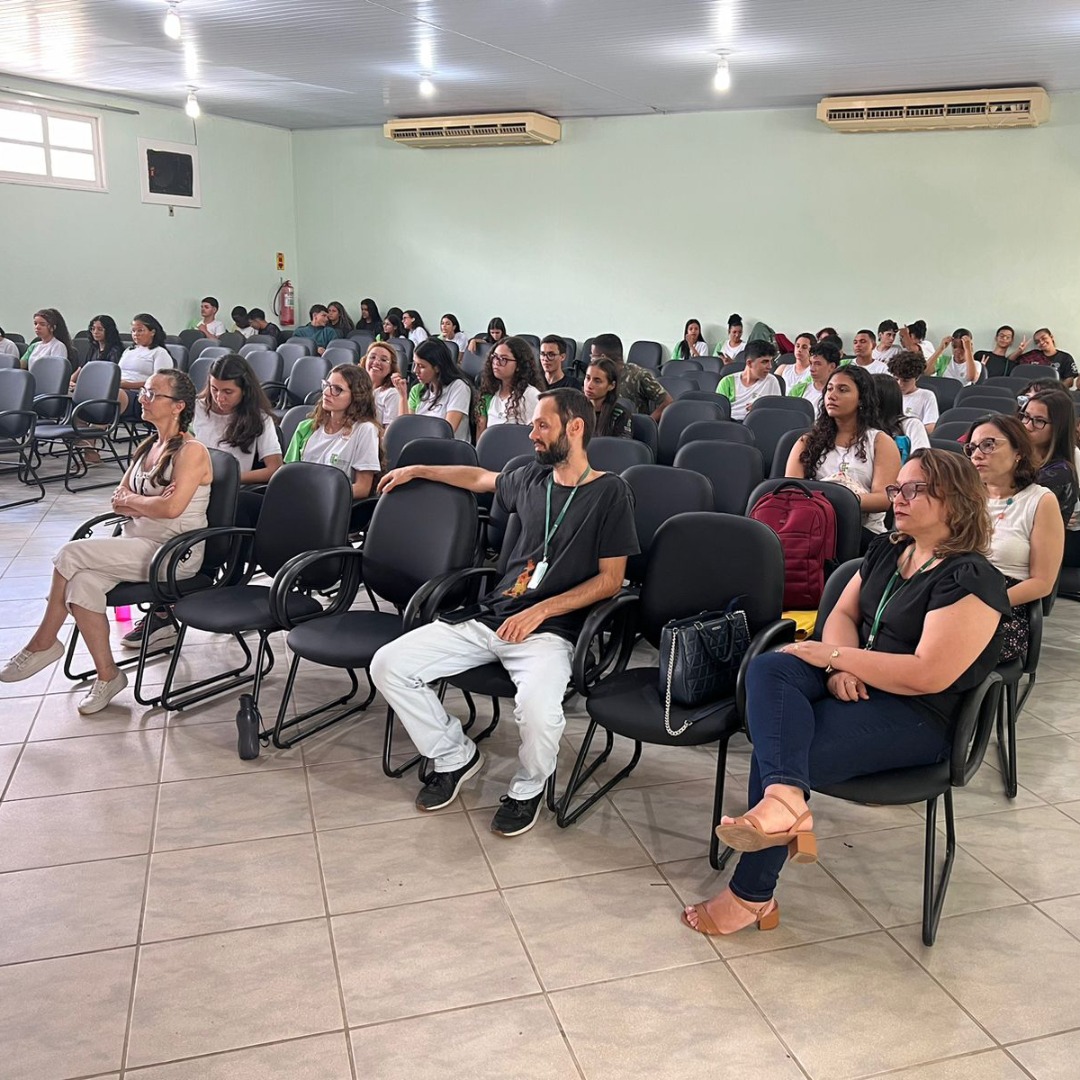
(285, 303)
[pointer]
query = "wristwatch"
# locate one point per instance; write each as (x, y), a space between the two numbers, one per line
(834, 655)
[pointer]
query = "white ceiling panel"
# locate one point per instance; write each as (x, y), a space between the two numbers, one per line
(328, 63)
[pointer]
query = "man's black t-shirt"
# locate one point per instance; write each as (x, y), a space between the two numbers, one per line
(567, 382)
(902, 620)
(1061, 360)
(598, 525)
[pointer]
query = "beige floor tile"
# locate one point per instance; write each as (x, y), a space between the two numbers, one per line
(321, 1057)
(692, 1024)
(985, 794)
(17, 718)
(1065, 912)
(1031, 727)
(658, 764)
(1050, 767)
(884, 872)
(358, 792)
(225, 991)
(1054, 1058)
(812, 906)
(419, 969)
(1031, 850)
(605, 926)
(79, 908)
(360, 736)
(989, 1065)
(861, 980)
(837, 817)
(76, 828)
(252, 883)
(19, 587)
(518, 1039)
(598, 841)
(59, 717)
(65, 1017)
(9, 755)
(1013, 992)
(219, 810)
(210, 750)
(1072, 809)
(399, 862)
(92, 763)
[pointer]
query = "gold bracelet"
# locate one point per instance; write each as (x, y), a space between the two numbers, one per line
(834, 655)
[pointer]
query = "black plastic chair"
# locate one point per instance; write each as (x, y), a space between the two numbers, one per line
(52, 377)
(788, 404)
(1016, 383)
(712, 364)
(732, 368)
(951, 430)
(306, 508)
(179, 355)
(197, 347)
(188, 337)
(770, 425)
(267, 366)
(661, 492)
(439, 451)
(346, 344)
(782, 452)
(723, 403)
(364, 338)
(403, 558)
(972, 726)
(676, 387)
(987, 404)
(946, 444)
(290, 351)
(646, 354)
(627, 702)
(472, 365)
(290, 422)
(409, 426)
(734, 470)
(846, 509)
(585, 355)
(676, 418)
(155, 592)
(1031, 372)
(718, 430)
(302, 386)
(610, 454)
(498, 444)
(985, 391)
(199, 372)
(644, 430)
(967, 415)
(704, 381)
(17, 421)
(680, 369)
(945, 390)
(232, 340)
(1012, 700)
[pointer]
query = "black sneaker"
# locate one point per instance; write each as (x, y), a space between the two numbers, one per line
(516, 816)
(162, 631)
(442, 788)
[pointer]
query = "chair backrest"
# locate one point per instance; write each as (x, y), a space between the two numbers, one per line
(1015, 383)
(500, 443)
(680, 369)
(532, 339)
(306, 378)
(985, 390)
(232, 340)
(571, 352)
(16, 395)
(986, 404)
(646, 354)
(305, 343)
(584, 355)
(472, 364)
(734, 470)
(744, 560)
(336, 353)
(263, 341)
(9, 362)
(834, 588)
(676, 418)
(221, 509)
(963, 414)
(661, 492)
(436, 452)
(946, 444)
(1036, 371)
(845, 506)
(945, 390)
(403, 429)
(349, 344)
(418, 532)
(789, 404)
(179, 354)
(676, 387)
(197, 347)
(363, 338)
(712, 364)
(768, 425)
(727, 430)
(610, 454)
(266, 364)
(732, 368)
(454, 350)
(291, 351)
(644, 430)
(781, 453)
(290, 422)
(704, 380)
(994, 365)
(404, 349)
(255, 346)
(951, 429)
(52, 375)
(99, 380)
(189, 337)
(723, 403)
(81, 348)
(306, 508)
(199, 371)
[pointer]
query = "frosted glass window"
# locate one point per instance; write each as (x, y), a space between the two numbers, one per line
(17, 124)
(20, 158)
(72, 134)
(71, 165)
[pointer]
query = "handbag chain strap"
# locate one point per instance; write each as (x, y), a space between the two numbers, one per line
(667, 696)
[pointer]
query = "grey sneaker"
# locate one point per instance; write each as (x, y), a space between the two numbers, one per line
(25, 663)
(101, 693)
(162, 631)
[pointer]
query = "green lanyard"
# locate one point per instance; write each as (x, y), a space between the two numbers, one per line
(890, 591)
(549, 529)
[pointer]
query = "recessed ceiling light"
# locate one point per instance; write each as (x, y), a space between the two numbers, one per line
(173, 27)
(191, 106)
(722, 79)
(427, 87)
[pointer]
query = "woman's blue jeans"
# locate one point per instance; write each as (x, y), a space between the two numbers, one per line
(804, 737)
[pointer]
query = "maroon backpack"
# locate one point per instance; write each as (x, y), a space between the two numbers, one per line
(806, 524)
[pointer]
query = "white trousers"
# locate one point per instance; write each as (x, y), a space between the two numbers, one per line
(539, 667)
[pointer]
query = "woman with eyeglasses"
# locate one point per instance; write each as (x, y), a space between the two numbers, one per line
(440, 389)
(1028, 533)
(508, 390)
(692, 344)
(1050, 421)
(602, 390)
(164, 492)
(392, 327)
(391, 390)
(343, 431)
(914, 629)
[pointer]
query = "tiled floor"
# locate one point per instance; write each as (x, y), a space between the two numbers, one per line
(168, 912)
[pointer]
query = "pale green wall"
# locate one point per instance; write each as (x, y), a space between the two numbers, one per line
(86, 252)
(635, 224)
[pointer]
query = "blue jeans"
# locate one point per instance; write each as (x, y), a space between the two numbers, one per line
(804, 737)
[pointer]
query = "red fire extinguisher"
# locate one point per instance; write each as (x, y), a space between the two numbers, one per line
(285, 303)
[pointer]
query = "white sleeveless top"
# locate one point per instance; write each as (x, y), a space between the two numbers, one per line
(843, 465)
(1013, 520)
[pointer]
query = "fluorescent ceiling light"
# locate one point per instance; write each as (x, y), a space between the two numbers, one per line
(427, 87)
(172, 27)
(191, 106)
(722, 78)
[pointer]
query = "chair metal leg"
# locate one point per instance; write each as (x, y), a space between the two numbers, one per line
(171, 698)
(25, 471)
(388, 743)
(717, 859)
(1006, 737)
(580, 774)
(282, 724)
(934, 897)
(106, 443)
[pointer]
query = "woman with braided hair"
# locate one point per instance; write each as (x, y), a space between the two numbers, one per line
(164, 492)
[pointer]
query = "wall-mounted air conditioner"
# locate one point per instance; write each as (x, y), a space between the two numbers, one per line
(499, 129)
(1024, 106)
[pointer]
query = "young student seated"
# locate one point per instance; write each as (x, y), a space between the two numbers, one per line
(450, 330)
(862, 346)
(380, 362)
(339, 319)
(413, 325)
(906, 368)
(496, 332)
(577, 529)
(7, 346)
(508, 392)
(692, 343)
(257, 318)
(1046, 352)
(318, 328)
(799, 371)
(755, 381)
(242, 322)
(145, 355)
(602, 389)
(552, 359)
(886, 341)
(960, 364)
(637, 385)
(824, 360)
(441, 390)
(210, 325)
(53, 338)
(908, 432)
(734, 344)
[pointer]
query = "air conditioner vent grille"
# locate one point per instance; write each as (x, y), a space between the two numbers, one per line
(1026, 107)
(507, 129)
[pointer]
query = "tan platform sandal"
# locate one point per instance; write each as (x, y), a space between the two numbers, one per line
(746, 834)
(765, 918)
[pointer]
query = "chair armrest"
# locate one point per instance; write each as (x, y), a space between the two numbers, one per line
(781, 632)
(428, 600)
(618, 614)
(1035, 636)
(312, 398)
(31, 420)
(971, 732)
(171, 554)
(286, 578)
(40, 399)
(74, 415)
(86, 529)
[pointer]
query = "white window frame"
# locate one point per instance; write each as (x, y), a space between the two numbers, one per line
(50, 180)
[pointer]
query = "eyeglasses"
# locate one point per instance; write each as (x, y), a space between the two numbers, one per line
(909, 490)
(985, 446)
(331, 389)
(549, 355)
(1036, 422)
(146, 394)
(498, 358)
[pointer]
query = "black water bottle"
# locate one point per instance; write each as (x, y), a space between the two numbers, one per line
(248, 722)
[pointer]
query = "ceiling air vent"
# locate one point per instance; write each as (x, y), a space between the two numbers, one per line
(1026, 106)
(503, 129)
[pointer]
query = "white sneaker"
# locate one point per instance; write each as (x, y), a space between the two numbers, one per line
(101, 693)
(25, 663)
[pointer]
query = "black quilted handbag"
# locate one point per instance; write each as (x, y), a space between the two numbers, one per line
(700, 658)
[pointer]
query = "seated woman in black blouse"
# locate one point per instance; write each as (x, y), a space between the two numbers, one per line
(915, 628)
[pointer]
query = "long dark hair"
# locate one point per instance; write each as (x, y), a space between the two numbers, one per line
(415, 316)
(112, 335)
(822, 437)
(373, 311)
(396, 323)
(606, 414)
(247, 419)
(890, 410)
(525, 375)
(682, 350)
(154, 327)
(344, 325)
(496, 324)
(58, 327)
(1059, 408)
(183, 390)
(434, 352)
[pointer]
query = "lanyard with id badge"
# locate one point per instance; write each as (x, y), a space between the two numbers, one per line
(549, 529)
